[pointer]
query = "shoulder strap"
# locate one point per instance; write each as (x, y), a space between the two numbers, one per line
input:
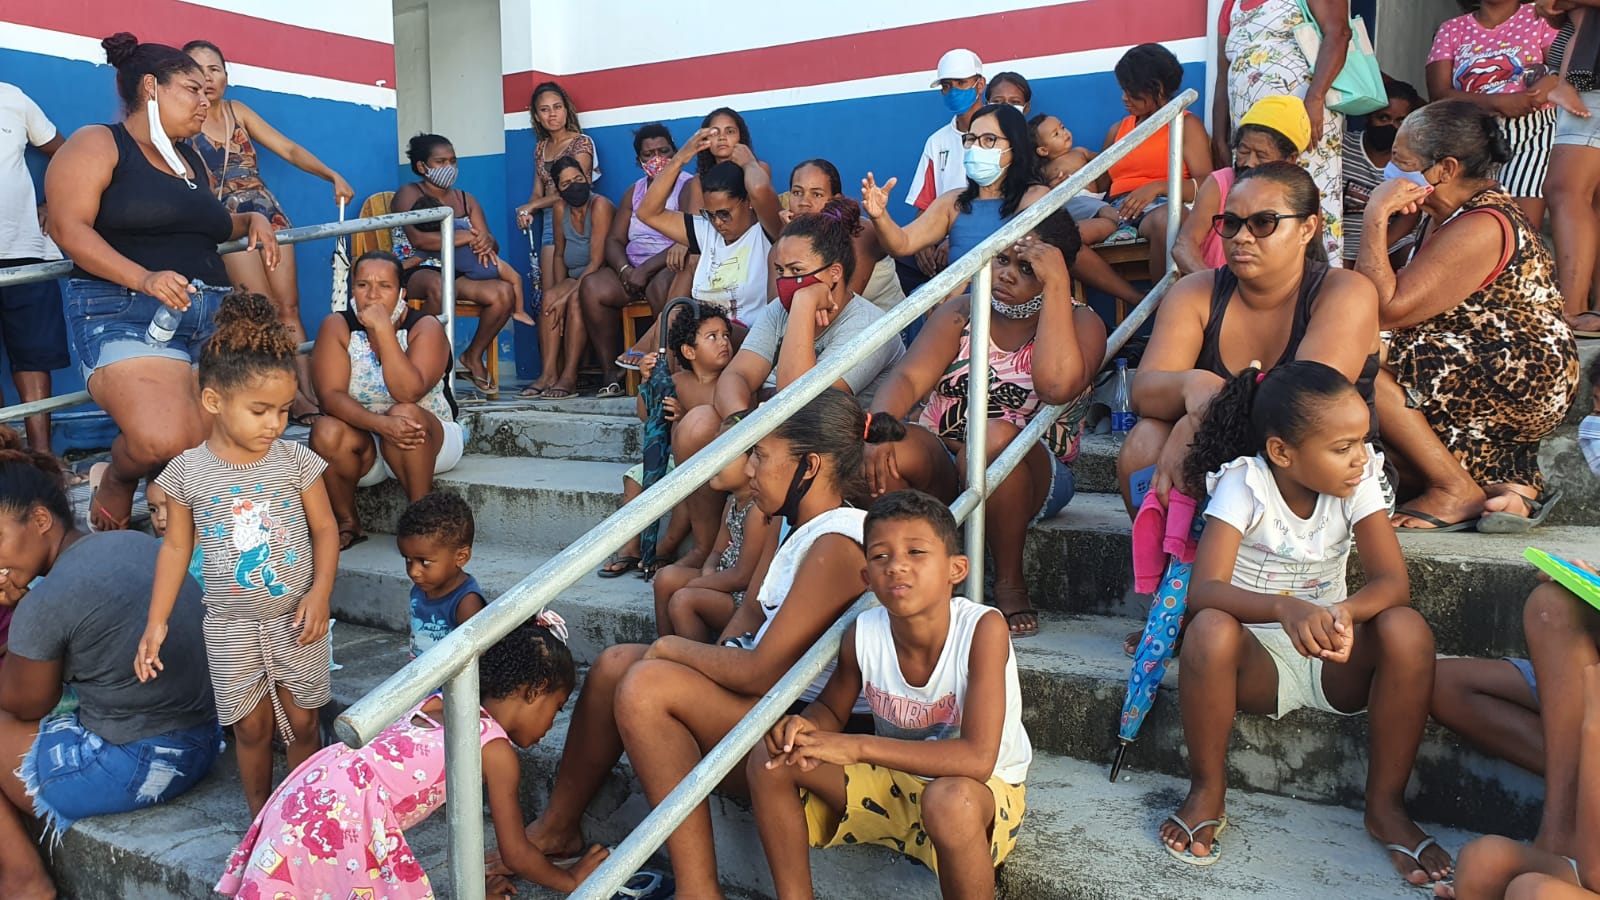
(1507, 240)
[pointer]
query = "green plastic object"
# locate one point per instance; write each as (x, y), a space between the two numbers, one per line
(1579, 581)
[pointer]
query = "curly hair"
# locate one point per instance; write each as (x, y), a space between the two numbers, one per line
(30, 478)
(1060, 231)
(830, 232)
(442, 516)
(914, 506)
(652, 130)
(530, 656)
(1284, 402)
(249, 342)
(685, 329)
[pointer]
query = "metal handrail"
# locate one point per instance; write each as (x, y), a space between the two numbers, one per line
(452, 661)
(63, 267)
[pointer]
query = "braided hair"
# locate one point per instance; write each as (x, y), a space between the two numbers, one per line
(530, 656)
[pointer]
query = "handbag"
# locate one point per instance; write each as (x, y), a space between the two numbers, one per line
(1358, 88)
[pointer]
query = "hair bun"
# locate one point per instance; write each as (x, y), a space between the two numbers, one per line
(885, 429)
(120, 48)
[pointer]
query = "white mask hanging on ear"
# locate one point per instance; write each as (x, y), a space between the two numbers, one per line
(163, 144)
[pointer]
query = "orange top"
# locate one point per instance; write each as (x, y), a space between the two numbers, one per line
(1147, 162)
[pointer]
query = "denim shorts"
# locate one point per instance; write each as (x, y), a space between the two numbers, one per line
(1525, 669)
(108, 323)
(1578, 132)
(72, 773)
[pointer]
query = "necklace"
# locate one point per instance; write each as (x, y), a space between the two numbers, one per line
(1021, 310)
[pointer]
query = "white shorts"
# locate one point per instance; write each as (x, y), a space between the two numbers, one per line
(1299, 677)
(455, 444)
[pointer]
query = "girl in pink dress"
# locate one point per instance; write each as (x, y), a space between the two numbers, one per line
(335, 827)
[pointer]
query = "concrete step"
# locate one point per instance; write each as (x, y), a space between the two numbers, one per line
(1469, 586)
(180, 849)
(1074, 678)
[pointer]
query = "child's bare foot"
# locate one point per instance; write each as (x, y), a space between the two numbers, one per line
(1566, 96)
(1199, 806)
(1444, 889)
(1428, 864)
(522, 316)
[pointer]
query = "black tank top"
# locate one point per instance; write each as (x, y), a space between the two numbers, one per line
(1224, 284)
(157, 220)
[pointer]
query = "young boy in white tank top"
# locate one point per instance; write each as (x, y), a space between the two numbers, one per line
(941, 779)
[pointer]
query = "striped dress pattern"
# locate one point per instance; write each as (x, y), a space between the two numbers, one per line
(250, 523)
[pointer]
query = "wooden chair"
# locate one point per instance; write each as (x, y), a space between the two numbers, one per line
(1130, 260)
(631, 314)
(367, 241)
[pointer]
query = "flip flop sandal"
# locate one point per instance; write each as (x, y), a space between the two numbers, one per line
(646, 884)
(1588, 334)
(484, 385)
(1436, 525)
(611, 390)
(356, 537)
(531, 393)
(557, 394)
(628, 563)
(1186, 855)
(1026, 611)
(1125, 234)
(1511, 523)
(1416, 857)
(630, 360)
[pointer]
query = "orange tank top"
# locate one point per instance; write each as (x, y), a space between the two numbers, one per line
(1147, 162)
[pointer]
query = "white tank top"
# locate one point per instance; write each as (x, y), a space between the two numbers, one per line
(786, 563)
(732, 275)
(933, 711)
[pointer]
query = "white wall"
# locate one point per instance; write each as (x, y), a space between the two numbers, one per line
(447, 62)
(1404, 33)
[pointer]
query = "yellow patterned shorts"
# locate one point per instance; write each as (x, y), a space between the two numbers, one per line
(884, 807)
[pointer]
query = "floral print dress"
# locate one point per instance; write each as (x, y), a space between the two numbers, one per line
(1265, 60)
(334, 830)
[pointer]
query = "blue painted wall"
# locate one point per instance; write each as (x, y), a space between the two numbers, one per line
(357, 141)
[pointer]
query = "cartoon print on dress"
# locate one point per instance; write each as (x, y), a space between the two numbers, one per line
(1496, 71)
(254, 530)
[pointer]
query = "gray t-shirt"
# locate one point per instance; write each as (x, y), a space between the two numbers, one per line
(90, 612)
(766, 337)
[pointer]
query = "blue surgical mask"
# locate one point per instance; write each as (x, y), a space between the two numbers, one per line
(1416, 178)
(983, 166)
(959, 100)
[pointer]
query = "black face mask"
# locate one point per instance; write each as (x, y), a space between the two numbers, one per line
(798, 487)
(575, 194)
(1381, 137)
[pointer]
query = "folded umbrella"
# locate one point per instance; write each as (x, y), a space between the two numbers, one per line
(341, 268)
(1161, 629)
(657, 430)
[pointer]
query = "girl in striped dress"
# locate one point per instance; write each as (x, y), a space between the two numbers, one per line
(259, 510)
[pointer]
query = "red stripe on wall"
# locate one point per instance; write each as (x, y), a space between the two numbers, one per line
(244, 39)
(1019, 34)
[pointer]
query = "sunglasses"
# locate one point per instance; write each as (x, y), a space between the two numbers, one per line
(717, 215)
(1260, 224)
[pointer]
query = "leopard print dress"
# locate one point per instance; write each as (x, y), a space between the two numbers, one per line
(1495, 373)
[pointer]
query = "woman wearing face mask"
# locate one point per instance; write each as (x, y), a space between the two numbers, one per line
(1276, 129)
(1275, 301)
(227, 142)
(812, 185)
(479, 278)
(641, 262)
(1366, 153)
(1002, 180)
(732, 234)
(136, 215)
(1044, 349)
(1011, 89)
(1482, 365)
(578, 217)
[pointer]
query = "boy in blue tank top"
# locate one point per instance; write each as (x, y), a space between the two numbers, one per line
(435, 539)
(941, 778)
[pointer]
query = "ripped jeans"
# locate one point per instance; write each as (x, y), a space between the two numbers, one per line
(71, 772)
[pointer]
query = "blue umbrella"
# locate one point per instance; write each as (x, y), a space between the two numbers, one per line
(1161, 629)
(657, 430)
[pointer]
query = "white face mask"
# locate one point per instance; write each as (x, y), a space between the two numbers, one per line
(163, 144)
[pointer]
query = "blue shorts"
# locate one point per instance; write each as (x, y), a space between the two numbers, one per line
(109, 322)
(32, 325)
(72, 773)
(1525, 669)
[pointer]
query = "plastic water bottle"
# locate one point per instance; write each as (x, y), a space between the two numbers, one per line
(1122, 417)
(164, 325)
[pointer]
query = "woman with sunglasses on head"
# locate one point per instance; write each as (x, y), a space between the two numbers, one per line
(1275, 301)
(1482, 365)
(1002, 180)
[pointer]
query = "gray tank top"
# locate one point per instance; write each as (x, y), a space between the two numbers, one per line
(577, 255)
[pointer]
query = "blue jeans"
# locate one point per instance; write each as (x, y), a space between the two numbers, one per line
(71, 772)
(108, 323)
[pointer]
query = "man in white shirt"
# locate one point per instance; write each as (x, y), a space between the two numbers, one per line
(941, 168)
(32, 325)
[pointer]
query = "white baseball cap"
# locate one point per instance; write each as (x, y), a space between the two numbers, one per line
(958, 65)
